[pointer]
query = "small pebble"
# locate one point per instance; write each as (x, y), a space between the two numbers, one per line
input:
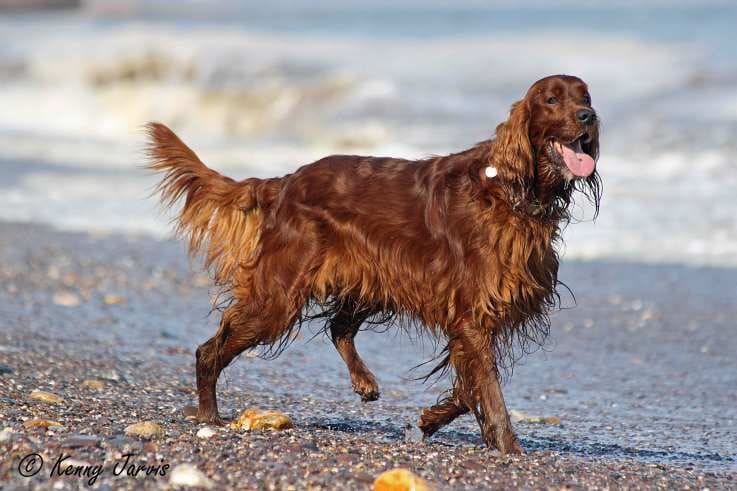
(187, 475)
(114, 299)
(47, 397)
(6, 434)
(93, 384)
(144, 429)
(40, 422)
(254, 419)
(66, 299)
(400, 480)
(206, 432)
(5, 369)
(522, 417)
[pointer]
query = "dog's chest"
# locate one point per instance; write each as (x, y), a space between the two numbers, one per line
(521, 267)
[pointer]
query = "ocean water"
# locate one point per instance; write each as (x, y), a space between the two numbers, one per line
(258, 90)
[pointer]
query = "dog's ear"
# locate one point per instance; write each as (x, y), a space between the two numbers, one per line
(512, 153)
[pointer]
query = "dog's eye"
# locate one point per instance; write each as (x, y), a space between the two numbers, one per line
(552, 100)
(586, 100)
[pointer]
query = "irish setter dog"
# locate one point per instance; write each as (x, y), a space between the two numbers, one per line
(463, 244)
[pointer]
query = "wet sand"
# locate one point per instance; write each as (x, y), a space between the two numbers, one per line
(642, 374)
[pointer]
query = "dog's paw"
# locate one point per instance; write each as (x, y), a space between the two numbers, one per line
(211, 419)
(368, 390)
(513, 448)
(368, 395)
(428, 425)
(365, 385)
(505, 445)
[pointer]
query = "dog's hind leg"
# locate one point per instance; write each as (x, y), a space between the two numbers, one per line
(442, 413)
(210, 361)
(343, 328)
(239, 331)
(256, 318)
(234, 337)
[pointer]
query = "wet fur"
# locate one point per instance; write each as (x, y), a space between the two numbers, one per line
(354, 239)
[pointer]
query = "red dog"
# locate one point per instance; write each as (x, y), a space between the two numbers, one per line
(464, 244)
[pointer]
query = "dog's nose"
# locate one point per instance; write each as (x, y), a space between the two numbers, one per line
(586, 116)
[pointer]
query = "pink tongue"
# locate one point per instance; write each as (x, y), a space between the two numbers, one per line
(577, 161)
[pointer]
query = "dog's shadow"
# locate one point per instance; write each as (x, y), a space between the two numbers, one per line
(390, 433)
(385, 431)
(589, 449)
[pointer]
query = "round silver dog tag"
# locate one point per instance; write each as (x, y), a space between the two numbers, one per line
(490, 171)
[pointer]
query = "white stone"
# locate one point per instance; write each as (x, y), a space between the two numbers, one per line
(66, 299)
(188, 475)
(6, 434)
(206, 432)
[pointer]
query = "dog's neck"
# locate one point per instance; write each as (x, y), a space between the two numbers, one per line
(542, 198)
(546, 202)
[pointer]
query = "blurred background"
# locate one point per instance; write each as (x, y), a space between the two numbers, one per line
(259, 88)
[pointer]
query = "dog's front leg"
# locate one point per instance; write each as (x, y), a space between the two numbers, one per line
(472, 357)
(343, 328)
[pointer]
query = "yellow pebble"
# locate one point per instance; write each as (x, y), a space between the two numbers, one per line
(47, 397)
(400, 480)
(254, 419)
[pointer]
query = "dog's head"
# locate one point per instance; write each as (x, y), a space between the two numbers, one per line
(551, 139)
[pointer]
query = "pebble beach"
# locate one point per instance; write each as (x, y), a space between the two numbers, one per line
(635, 387)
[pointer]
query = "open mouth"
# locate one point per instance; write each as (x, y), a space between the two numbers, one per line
(578, 162)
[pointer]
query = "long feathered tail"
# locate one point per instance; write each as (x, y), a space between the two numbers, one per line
(221, 218)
